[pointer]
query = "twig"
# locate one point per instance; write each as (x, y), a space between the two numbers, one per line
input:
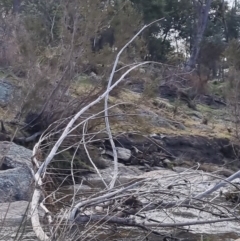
(115, 158)
(89, 157)
(102, 197)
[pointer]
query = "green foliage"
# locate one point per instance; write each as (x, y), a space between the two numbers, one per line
(159, 49)
(42, 20)
(233, 54)
(181, 19)
(233, 23)
(5, 6)
(151, 10)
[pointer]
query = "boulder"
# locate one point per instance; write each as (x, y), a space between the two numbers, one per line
(14, 212)
(122, 153)
(15, 221)
(154, 118)
(136, 86)
(158, 121)
(16, 181)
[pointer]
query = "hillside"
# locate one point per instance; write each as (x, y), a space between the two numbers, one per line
(119, 120)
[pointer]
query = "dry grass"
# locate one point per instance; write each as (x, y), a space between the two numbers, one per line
(193, 126)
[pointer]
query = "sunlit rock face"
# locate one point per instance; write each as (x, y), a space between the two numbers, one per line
(15, 175)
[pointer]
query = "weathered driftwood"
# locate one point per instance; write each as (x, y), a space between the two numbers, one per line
(69, 128)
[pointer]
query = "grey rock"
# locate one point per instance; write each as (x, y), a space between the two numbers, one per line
(14, 215)
(195, 114)
(202, 127)
(179, 125)
(142, 70)
(14, 212)
(163, 104)
(119, 114)
(135, 87)
(167, 161)
(122, 153)
(154, 119)
(158, 121)
(77, 188)
(126, 174)
(16, 181)
(194, 118)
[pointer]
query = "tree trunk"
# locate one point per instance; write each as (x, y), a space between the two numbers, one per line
(203, 10)
(16, 6)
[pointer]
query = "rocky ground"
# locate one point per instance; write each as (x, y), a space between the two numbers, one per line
(160, 136)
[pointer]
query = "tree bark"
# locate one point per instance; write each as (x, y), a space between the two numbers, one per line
(203, 10)
(16, 6)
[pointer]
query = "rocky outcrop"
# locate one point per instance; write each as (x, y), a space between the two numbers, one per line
(15, 175)
(212, 100)
(14, 212)
(158, 150)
